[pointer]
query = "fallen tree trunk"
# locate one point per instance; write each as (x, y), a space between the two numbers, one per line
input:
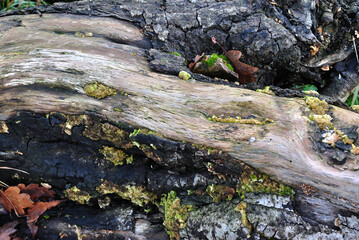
(76, 92)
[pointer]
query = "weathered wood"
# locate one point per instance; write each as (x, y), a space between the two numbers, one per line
(47, 61)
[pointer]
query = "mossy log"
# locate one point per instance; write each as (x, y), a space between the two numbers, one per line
(52, 68)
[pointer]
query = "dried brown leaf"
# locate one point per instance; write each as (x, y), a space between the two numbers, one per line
(245, 71)
(36, 192)
(12, 199)
(196, 59)
(7, 229)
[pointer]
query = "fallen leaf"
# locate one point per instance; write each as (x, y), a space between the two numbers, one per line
(245, 71)
(196, 59)
(12, 199)
(313, 50)
(35, 211)
(7, 229)
(325, 68)
(36, 192)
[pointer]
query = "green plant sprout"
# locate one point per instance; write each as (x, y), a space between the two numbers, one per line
(18, 4)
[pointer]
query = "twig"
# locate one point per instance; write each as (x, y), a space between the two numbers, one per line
(355, 49)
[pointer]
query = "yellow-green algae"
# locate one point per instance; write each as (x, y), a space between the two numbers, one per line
(355, 108)
(77, 195)
(238, 119)
(242, 209)
(3, 127)
(99, 90)
(176, 215)
(184, 75)
(109, 132)
(318, 106)
(220, 192)
(323, 121)
(72, 121)
(138, 195)
(266, 90)
(116, 156)
(252, 181)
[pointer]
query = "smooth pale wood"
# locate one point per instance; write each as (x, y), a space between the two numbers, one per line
(44, 68)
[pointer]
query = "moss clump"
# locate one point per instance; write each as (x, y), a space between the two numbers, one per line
(3, 127)
(175, 53)
(323, 121)
(72, 121)
(318, 106)
(214, 57)
(238, 119)
(220, 193)
(99, 90)
(242, 209)
(266, 90)
(75, 194)
(138, 195)
(184, 75)
(116, 156)
(252, 181)
(176, 215)
(109, 132)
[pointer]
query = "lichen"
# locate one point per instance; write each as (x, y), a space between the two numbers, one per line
(323, 121)
(318, 106)
(176, 215)
(184, 75)
(355, 149)
(72, 121)
(116, 156)
(99, 90)
(3, 127)
(238, 119)
(266, 90)
(252, 181)
(242, 209)
(214, 57)
(109, 132)
(220, 192)
(355, 108)
(77, 195)
(138, 195)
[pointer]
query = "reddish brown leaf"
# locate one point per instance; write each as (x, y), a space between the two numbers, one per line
(245, 71)
(36, 192)
(196, 59)
(7, 229)
(36, 211)
(39, 208)
(12, 199)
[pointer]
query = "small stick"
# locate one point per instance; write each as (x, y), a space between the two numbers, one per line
(355, 49)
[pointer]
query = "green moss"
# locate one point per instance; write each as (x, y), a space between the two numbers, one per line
(116, 156)
(238, 119)
(99, 90)
(220, 192)
(214, 57)
(323, 121)
(176, 215)
(72, 121)
(175, 53)
(318, 106)
(75, 194)
(184, 75)
(252, 181)
(109, 132)
(266, 90)
(138, 195)
(242, 209)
